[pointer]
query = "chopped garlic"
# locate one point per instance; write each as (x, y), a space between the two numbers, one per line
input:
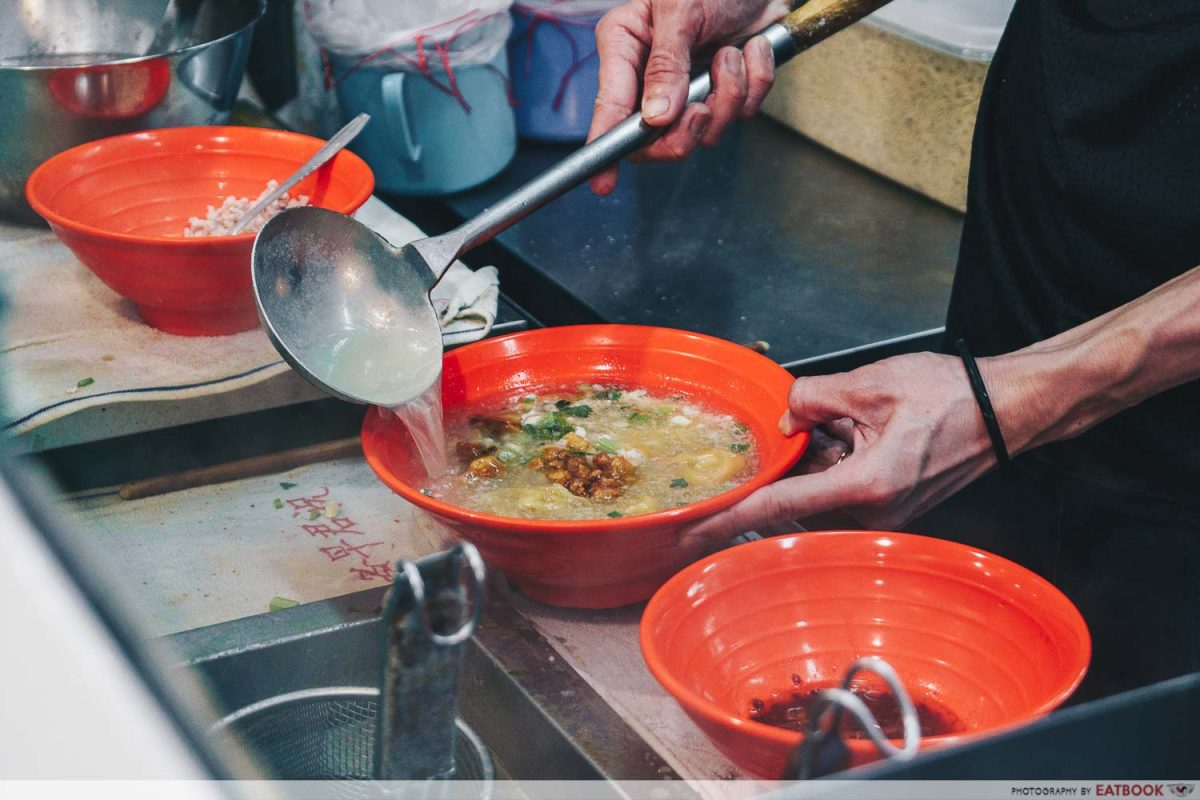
(680, 420)
(331, 509)
(633, 456)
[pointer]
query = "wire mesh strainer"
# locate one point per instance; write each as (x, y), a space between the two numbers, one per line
(405, 739)
(329, 734)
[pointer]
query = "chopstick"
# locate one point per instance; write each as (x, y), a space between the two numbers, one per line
(243, 468)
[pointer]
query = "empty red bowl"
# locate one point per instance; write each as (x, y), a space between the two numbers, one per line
(121, 205)
(967, 631)
(594, 563)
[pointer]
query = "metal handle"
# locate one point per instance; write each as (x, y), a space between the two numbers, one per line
(822, 751)
(331, 148)
(419, 690)
(813, 22)
(475, 593)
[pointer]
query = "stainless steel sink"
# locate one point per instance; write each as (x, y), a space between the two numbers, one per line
(538, 717)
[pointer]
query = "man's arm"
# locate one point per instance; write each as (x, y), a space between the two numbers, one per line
(913, 431)
(1058, 388)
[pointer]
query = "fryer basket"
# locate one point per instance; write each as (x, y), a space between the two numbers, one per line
(328, 734)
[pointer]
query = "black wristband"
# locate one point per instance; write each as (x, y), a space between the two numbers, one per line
(985, 402)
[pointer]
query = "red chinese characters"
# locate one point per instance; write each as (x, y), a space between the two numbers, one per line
(323, 523)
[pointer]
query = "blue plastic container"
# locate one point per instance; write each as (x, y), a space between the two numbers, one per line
(555, 73)
(422, 139)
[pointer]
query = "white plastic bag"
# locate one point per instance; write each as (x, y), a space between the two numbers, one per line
(406, 34)
(568, 8)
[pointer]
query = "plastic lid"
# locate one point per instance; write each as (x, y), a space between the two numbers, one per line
(967, 29)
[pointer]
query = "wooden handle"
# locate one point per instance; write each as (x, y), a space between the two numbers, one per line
(817, 20)
(244, 468)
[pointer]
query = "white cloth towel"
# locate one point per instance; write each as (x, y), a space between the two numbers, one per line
(465, 299)
(63, 327)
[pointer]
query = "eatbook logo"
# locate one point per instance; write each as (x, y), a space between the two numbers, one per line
(1181, 789)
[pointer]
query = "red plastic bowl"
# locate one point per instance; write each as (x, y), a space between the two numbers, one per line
(121, 204)
(594, 563)
(972, 632)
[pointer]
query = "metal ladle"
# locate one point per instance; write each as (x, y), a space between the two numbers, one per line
(331, 148)
(352, 313)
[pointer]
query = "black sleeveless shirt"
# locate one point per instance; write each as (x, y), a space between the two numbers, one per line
(1084, 193)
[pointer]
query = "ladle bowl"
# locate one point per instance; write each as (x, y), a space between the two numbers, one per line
(341, 312)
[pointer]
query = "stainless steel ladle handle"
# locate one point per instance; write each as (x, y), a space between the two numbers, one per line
(813, 22)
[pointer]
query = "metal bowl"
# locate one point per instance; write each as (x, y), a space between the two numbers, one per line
(76, 70)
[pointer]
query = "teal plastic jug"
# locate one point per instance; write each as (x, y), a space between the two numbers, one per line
(433, 131)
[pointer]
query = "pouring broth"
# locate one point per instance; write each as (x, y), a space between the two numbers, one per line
(598, 452)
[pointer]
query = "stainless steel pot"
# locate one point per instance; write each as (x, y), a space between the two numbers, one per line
(76, 70)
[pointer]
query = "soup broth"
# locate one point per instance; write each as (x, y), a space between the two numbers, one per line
(596, 452)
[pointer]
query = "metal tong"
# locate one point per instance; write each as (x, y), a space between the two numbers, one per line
(430, 611)
(823, 751)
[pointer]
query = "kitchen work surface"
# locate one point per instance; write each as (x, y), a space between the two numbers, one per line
(764, 237)
(79, 363)
(602, 646)
(216, 553)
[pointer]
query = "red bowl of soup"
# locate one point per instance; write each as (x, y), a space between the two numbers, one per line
(607, 562)
(121, 205)
(742, 638)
